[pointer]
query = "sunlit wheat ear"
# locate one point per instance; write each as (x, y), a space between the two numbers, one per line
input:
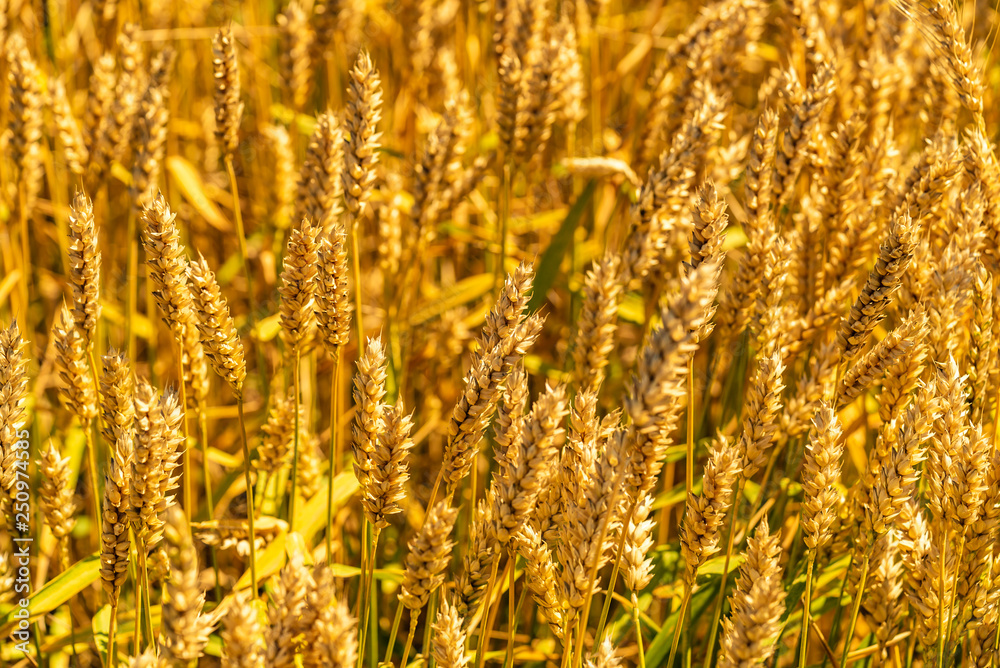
(869, 309)
(285, 184)
(85, 267)
(218, 330)
(478, 560)
(983, 356)
(13, 395)
(653, 396)
(449, 638)
(158, 444)
(638, 570)
(390, 469)
(186, 627)
(762, 405)
(275, 450)
(286, 618)
(55, 496)
(99, 95)
(167, 264)
(429, 553)
(605, 656)
(942, 28)
(117, 408)
(704, 514)
(333, 302)
(710, 221)
(887, 352)
(758, 603)
(298, 285)
(820, 476)
(24, 117)
(148, 659)
(228, 106)
(151, 142)
(597, 324)
(76, 384)
(69, 132)
(242, 635)
(320, 181)
(506, 336)
(332, 639)
(440, 168)
(369, 419)
(541, 578)
(526, 468)
(363, 113)
(115, 542)
(296, 41)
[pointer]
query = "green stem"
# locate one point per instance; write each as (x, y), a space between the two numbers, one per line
(431, 613)
(685, 602)
(601, 536)
(504, 216)
(614, 577)
(806, 612)
(356, 258)
(334, 455)
(367, 575)
(209, 497)
(638, 630)
(295, 439)
(392, 634)
(721, 596)
(409, 637)
(857, 608)
(250, 506)
(147, 615)
(241, 234)
(92, 465)
(835, 627)
(689, 463)
(187, 477)
(941, 597)
(112, 630)
(489, 614)
(511, 610)
(132, 290)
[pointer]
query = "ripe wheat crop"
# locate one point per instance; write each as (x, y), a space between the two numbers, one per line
(556, 333)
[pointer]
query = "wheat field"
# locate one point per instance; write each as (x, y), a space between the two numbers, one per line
(553, 333)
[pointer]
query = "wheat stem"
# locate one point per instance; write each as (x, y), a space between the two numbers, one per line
(806, 612)
(367, 575)
(392, 633)
(250, 506)
(511, 610)
(296, 379)
(409, 638)
(689, 464)
(356, 260)
(941, 597)
(857, 608)
(186, 477)
(334, 454)
(614, 576)
(132, 295)
(209, 495)
(112, 630)
(92, 465)
(638, 629)
(486, 621)
(720, 597)
(685, 602)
